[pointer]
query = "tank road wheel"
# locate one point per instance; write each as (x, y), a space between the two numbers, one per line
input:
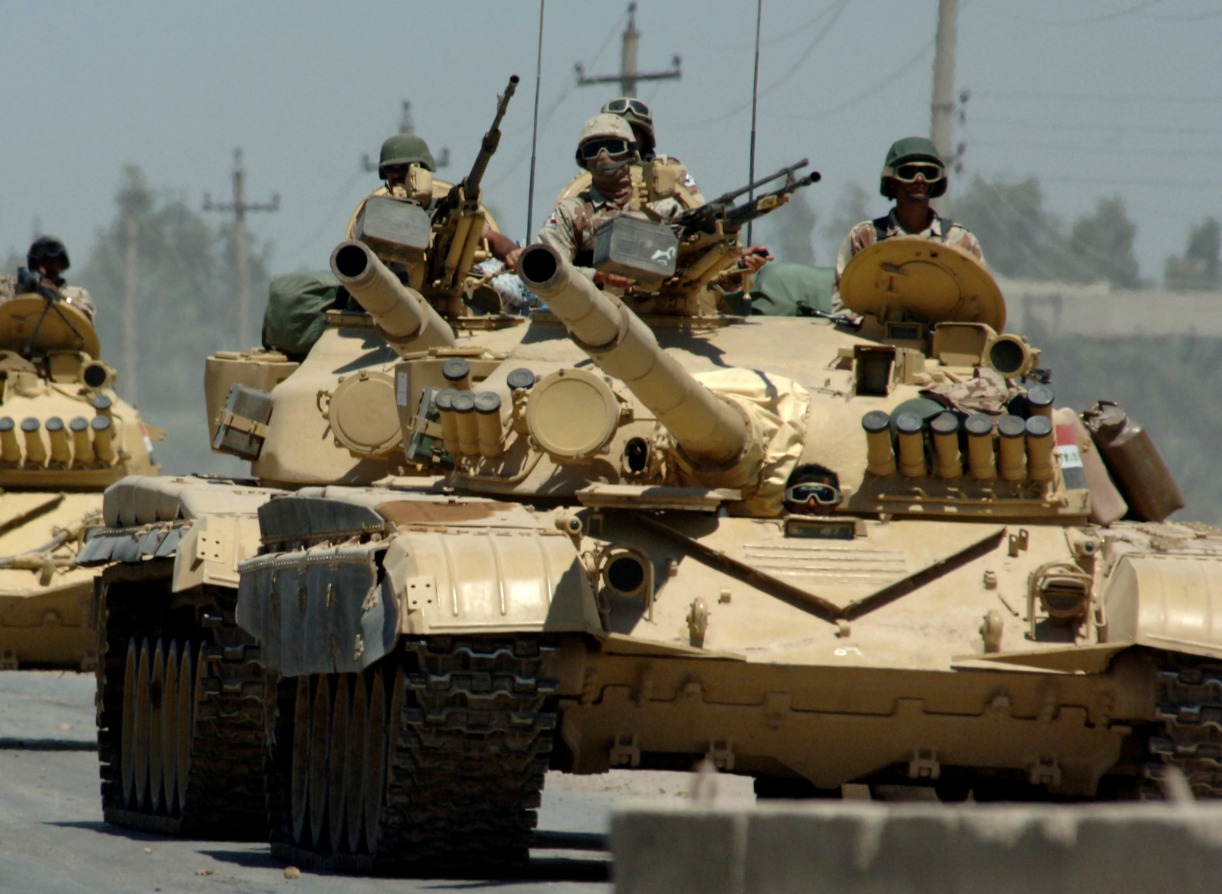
(156, 747)
(184, 721)
(358, 728)
(181, 693)
(299, 786)
(140, 741)
(169, 729)
(320, 733)
(337, 762)
(127, 758)
(373, 762)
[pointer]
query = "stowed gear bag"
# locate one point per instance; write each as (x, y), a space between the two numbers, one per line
(297, 305)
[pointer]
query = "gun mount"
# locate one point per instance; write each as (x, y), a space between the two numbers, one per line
(680, 264)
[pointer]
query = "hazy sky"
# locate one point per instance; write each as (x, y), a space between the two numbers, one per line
(1094, 97)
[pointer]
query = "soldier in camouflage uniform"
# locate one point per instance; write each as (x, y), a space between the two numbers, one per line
(640, 119)
(406, 165)
(912, 175)
(607, 150)
(46, 261)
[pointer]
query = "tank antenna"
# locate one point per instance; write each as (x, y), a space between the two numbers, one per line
(534, 135)
(755, 91)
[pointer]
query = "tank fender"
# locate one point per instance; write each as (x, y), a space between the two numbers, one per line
(486, 580)
(1168, 602)
(210, 552)
(320, 610)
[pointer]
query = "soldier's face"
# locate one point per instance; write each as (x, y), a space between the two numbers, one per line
(916, 192)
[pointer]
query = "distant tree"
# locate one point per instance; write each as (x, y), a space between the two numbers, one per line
(1102, 246)
(788, 231)
(183, 308)
(852, 207)
(1019, 237)
(1198, 268)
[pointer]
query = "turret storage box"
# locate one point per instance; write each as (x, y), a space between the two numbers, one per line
(643, 250)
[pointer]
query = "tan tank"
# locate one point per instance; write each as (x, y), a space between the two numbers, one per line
(181, 689)
(65, 434)
(799, 551)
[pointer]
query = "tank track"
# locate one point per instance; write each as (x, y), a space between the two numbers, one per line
(1190, 709)
(466, 761)
(225, 792)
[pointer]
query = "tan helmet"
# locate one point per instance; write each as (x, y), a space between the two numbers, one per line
(602, 127)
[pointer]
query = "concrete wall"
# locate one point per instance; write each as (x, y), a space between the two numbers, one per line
(1097, 311)
(869, 848)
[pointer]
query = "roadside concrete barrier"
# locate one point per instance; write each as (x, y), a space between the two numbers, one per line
(873, 848)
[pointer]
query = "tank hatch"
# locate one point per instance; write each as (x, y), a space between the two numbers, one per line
(32, 323)
(912, 278)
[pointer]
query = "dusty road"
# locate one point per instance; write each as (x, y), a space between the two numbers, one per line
(53, 840)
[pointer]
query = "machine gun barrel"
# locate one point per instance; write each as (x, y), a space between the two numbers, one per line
(704, 219)
(711, 431)
(492, 138)
(733, 194)
(458, 220)
(407, 320)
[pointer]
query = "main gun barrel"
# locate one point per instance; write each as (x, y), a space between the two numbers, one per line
(711, 431)
(403, 315)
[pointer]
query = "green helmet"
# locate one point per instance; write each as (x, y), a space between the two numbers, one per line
(46, 247)
(911, 149)
(405, 149)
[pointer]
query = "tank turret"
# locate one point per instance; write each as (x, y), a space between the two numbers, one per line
(65, 435)
(711, 430)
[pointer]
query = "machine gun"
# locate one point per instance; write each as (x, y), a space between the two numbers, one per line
(458, 220)
(673, 262)
(721, 217)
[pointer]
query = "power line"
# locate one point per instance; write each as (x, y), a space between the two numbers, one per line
(1125, 126)
(1098, 97)
(1095, 149)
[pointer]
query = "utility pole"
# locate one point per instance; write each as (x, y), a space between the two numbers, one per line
(239, 206)
(944, 88)
(408, 126)
(629, 75)
(131, 285)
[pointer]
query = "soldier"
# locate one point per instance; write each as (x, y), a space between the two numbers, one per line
(639, 117)
(912, 175)
(636, 112)
(46, 261)
(608, 151)
(406, 165)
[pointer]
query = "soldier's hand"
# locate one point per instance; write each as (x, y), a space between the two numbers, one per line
(511, 259)
(612, 280)
(755, 257)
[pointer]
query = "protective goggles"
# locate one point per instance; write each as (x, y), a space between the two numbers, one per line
(930, 172)
(615, 147)
(635, 106)
(813, 495)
